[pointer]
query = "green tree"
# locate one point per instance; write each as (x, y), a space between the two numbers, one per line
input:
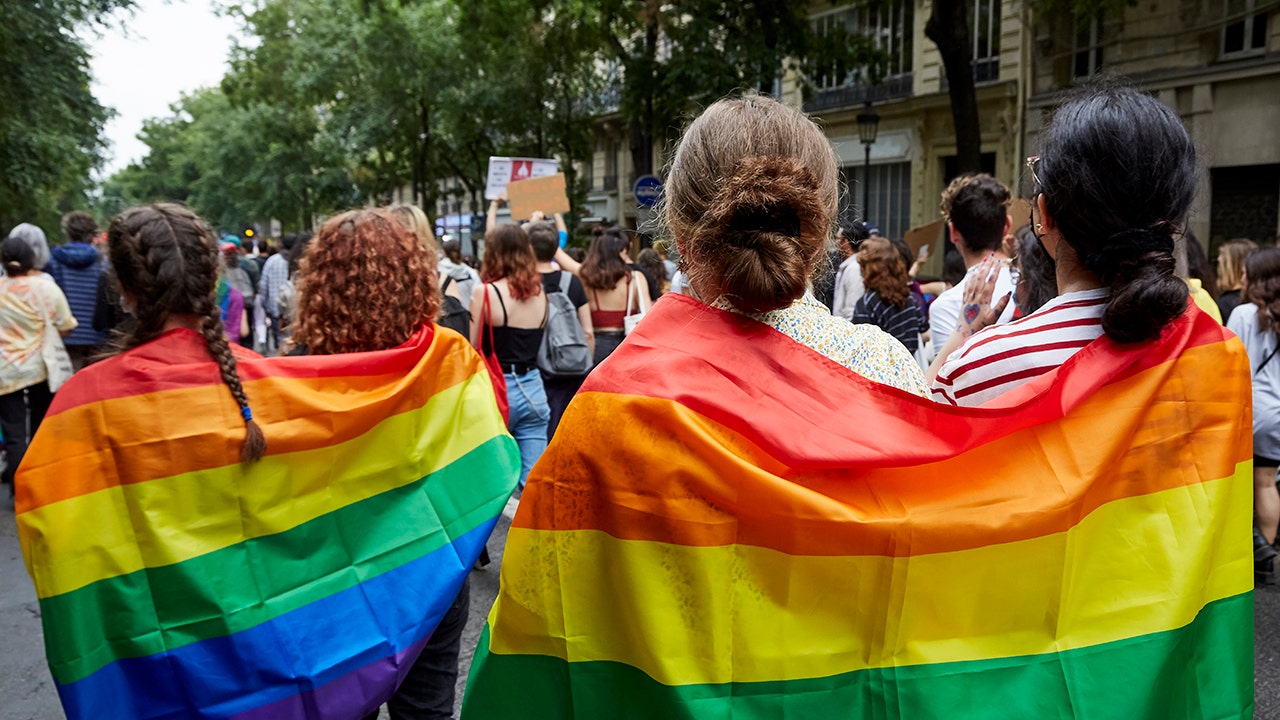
(50, 122)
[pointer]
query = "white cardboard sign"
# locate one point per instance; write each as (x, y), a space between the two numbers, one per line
(503, 170)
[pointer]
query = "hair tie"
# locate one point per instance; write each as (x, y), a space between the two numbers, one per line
(1127, 245)
(246, 413)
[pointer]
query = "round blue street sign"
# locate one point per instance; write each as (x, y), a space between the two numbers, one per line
(647, 190)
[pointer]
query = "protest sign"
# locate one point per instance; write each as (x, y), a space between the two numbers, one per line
(545, 193)
(503, 170)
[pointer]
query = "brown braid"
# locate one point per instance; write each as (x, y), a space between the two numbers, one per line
(166, 257)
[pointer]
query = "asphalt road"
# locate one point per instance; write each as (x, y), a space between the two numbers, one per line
(27, 693)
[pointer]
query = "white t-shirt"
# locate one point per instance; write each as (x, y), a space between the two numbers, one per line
(1002, 357)
(1259, 343)
(849, 288)
(944, 312)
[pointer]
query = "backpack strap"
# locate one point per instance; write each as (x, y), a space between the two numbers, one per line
(1267, 360)
(445, 287)
(565, 280)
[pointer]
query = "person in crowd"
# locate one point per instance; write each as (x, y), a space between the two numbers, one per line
(271, 290)
(1106, 210)
(848, 281)
(166, 259)
(614, 289)
(650, 263)
(887, 302)
(231, 301)
(35, 238)
(1200, 280)
(1255, 322)
(249, 263)
(29, 301)
(367, 282)
(453, 267)
(77, 268)
(412, 217)
(238, 278)
(560, 390)
(751, 196)
(1231, 257)
(512, 305)
(1036, 282)
(976, 209)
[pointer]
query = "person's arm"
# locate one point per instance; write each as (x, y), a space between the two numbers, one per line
(491, 219)
(62, 318)
(477, 305)
(567, 263)
(562, 229)
(976, 312)
(244, 324)
(921, 258)
(588, 330)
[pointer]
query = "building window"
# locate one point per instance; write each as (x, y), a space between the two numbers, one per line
(888, 27)
(1086, 48)
(1245, 31)
(986, 40)
(890, 196)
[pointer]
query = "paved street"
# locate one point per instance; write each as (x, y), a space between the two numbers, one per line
(26, 692)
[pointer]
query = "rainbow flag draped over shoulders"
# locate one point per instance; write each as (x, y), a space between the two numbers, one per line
(175, 582)
(728, 525)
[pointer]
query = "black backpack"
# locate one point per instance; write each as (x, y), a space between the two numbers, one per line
(452, 314)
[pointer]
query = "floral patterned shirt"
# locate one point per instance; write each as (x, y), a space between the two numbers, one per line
(864, 349)
(27, 302)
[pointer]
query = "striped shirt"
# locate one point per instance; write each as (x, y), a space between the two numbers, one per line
(904, 323)
(1004, 357)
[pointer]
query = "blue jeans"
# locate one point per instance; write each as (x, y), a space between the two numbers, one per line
(529, 417)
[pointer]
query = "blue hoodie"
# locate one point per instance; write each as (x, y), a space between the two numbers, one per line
(77, 267)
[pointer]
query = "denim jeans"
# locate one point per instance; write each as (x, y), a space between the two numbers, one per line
(529, 417)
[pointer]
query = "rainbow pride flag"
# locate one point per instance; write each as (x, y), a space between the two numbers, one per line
(728, 525)
(175, 582)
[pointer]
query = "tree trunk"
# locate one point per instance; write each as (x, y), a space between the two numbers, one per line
(642, 129)
(948, 28)
(420, 172)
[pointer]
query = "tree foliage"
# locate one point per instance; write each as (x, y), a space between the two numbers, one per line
(50, 122)
(328, 103)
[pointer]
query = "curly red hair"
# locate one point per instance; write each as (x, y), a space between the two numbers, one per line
(508, 254)
(882, 271)
(365, 283)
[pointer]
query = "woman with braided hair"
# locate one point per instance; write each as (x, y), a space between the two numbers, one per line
(166, 260)
(1113, 184)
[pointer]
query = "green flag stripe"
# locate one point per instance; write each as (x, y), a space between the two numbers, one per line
(221, 593)
(1202, 670)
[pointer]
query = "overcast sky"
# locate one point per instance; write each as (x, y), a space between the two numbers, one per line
(144, 61)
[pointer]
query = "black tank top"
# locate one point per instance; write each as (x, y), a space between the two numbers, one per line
(514, 346)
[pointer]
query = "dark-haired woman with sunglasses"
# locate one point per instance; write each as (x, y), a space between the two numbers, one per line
(1106, 209)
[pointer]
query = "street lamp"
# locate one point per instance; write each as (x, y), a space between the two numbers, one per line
(868, 125)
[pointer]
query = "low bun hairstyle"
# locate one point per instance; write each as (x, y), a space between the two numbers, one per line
(751, 199)
(1118, 172)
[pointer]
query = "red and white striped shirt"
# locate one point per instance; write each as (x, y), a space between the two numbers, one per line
(1003, 357)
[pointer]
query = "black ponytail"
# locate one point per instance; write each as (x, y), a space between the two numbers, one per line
(1118, 172)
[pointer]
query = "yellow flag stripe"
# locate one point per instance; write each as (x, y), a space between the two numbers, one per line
(168, 520)
(738, 613)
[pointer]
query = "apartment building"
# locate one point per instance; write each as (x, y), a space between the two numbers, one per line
(1217, 62)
